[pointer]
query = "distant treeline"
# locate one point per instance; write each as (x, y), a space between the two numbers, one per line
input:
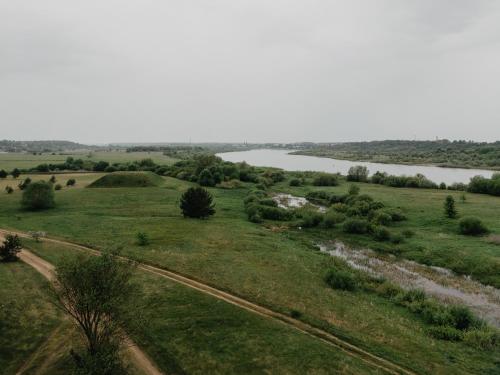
(466, 154)
(42, 146)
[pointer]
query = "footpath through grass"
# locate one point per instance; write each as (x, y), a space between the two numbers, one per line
(186, 331)
(273, 267)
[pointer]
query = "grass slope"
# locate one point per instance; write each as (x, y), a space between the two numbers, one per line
(27, 317)
(127, 179)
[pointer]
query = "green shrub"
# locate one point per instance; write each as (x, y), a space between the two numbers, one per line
(382, 218)
(484, 338)
(331, 218)
(445, 333)
(357, 173)
(396, 214)
(340, 279)
(9, 190)
(381, 234)
(353, 190)
(231, 184)
(295, 314)
(71, 182)
(463, 318)
(275, 213)
(356, 226)
(311, 219)
(295, 182)
(38, 195)
(142, 239)
(58, 187)
(326, 179)
(10, 248)
(471, 226)
(397, 238)
(449, 207)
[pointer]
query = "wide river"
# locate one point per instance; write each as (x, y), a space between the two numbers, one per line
(283, 159)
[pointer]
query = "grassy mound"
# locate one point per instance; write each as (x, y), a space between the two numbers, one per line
(127, 179)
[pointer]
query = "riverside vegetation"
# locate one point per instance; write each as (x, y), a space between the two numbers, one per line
(271, 259)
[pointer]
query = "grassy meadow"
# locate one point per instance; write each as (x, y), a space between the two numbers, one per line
(269, 264)
(9, 161)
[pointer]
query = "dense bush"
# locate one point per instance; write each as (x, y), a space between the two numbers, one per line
(331, 218)
(340, 279)
(24, 184)
(472, 226)
(38, 195)
(71, 182)
(9, 189)
(357, 173)
(10, 248)
(142, 239)
(295, 182)
(326, 179)
(311, 219)
(356, 226)
(197, 202)
(3, 174)
(479, 184)
(417, 181)
(58, 187)
(381, 234)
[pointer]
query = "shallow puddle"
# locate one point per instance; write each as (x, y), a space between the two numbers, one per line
(439, 282)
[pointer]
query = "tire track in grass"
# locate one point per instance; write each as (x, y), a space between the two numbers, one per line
(327, 337)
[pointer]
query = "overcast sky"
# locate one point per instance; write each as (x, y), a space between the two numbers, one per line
(258, 70)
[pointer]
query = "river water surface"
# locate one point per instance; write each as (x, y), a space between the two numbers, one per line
(283, 159)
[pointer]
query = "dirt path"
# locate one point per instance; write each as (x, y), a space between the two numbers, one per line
(140, 359)
(327, 337)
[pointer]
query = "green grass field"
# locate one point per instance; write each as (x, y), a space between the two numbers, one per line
(186, 331)
(27, 317)
(279, 269)
(9, 161)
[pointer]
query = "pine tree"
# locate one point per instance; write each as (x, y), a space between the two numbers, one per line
(197, 202)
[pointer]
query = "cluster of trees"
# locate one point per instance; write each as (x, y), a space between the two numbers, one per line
(358, 213)
(417, 181)
(72, 164)
(442, 152)
(484, 185)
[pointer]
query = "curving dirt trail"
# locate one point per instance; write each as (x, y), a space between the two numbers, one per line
(140, 359)
(327, 337)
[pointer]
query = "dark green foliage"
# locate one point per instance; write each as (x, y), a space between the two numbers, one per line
(417, 181)
(295, 314)
(206, 178)
(449, 207)
(332, 218)
(127, 179)
(442, 186)
(408, 233)
(381, 234)
(15, 173)
(52, 179)
(479, 184)
(311, 219)
(100, 166)
(57, 187)
(326, 179)
(275, 213)
(9, 189)
(357, 173)
(356, 226)
(295, 182)
(340, 279)
(471, 226)
(10, 248)
(196, 202)
(38, 195)
(24, 184)
(353, 190)
(142, 239)
(3, 173)
(382, 218)
(72, 182)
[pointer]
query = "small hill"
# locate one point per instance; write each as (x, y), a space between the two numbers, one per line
(127, 179)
